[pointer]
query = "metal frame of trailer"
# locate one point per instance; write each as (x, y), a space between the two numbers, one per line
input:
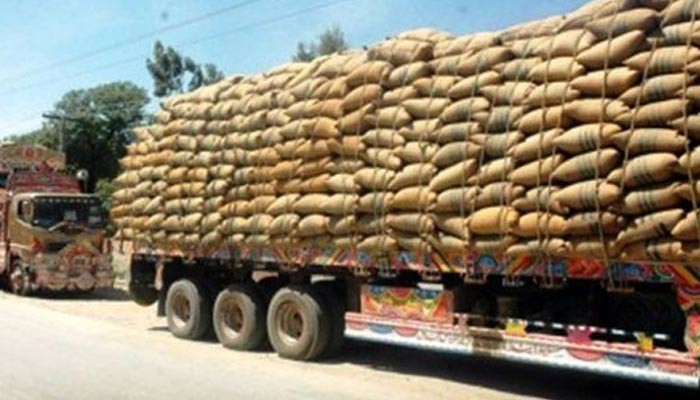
(424, 318)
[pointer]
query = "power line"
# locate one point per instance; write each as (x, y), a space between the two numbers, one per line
(116, 45)
(129, 60)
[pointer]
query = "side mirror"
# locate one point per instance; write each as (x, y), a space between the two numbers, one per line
(82, 175)
(26, 210)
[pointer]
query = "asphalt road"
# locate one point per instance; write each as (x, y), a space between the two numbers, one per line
(104, 347)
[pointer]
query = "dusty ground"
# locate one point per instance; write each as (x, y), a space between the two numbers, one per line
(104, 346)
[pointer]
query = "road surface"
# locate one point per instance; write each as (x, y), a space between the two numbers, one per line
(105, 347)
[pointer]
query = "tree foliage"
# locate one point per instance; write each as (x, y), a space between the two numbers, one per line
(93, 127)
(169, 70)
(331, 40)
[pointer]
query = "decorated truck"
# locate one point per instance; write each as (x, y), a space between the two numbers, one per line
(52, 236)
(529, 194)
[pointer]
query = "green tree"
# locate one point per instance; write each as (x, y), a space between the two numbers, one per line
(93, 127)
(169, 70)
(331, 40)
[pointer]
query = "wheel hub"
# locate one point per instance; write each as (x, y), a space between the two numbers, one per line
(291, 322)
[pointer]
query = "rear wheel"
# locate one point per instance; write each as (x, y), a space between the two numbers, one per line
(239, 318)
(187, 309)
(298, 323)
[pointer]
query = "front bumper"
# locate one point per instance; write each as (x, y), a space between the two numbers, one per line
(54, 273)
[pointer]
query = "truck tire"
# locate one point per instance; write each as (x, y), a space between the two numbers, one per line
(187, 310)
(239, 318)
(19, 279)
(298, 323)
(142, 294)
(334, 296)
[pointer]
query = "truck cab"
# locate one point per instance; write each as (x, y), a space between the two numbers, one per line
(51, 235)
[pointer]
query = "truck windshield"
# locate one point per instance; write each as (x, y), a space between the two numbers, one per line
(49, 212)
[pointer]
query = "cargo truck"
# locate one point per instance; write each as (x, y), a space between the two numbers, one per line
(487, 195)
(52, 236)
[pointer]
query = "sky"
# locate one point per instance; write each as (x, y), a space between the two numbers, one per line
(39, 37)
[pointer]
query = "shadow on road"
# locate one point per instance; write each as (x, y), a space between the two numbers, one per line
(504, 376)
(102, 294)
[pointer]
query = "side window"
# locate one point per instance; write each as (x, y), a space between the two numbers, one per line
(25, 210)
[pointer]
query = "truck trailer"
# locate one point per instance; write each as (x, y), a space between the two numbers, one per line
(528, 194)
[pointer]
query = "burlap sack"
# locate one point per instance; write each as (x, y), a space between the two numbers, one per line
(401, 51)
(650, 226)
(583, 195)
(412, 222)
(343, 183)
(312, 167)
(360, 96)
(454, 224)
(469, 87)
(678, 34)
(593, 223)
(586, 137)
(455, 152)
(540, 198)
(372, 224)
(335, 88)
(435, 86)
(566, 44)
(405, 74)
(657, 88)
(330, 108)
(425, 108)
(556, 69)
(687, 228)
(445, 244)
(456, 175)
(154, 222)
(500, 119)
(378, 244)
(374, 178)
(388, 138)
(342, 225)
(462, 110)
(497, 145)
(492, 171)
(283, 224)
(282, 204)
(519, 70)
(493, 244)
(650, 140)
(611, 53)
(347, 166)
(646, 169)
(397, 96)
(496, 194)
(212, 204)
(356, 122)
(417, 174)
(421, 130)
(173, 223)
(654, 198)
(535, 146)
(493, 220)
(411, 242)
(416, 152)
(311, 148)
(552, 93)
(596, 110)
(509, 93)
(615, 81)
(661, 250)
(457, 132)
(382, 158)
(369, 72)
(389, 117)
(665, 60)
(690, 162)
(594, 164)
(312, 225)
(450, 47)
(536, 173)
(340, 204)
(482, 60)
(376, 202)
(544, 119)
(456, 200)
(554, 247)
(641, 19)
(415, 198)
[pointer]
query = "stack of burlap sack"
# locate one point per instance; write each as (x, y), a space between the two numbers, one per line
(569, 137)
